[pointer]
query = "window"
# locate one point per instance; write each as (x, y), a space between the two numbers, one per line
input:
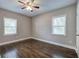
(10, 26)
(59, 25)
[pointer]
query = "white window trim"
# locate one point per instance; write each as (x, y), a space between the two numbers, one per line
(4, 26)
(64, 27)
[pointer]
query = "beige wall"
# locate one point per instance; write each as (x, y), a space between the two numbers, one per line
(42, 28)
(23, 26)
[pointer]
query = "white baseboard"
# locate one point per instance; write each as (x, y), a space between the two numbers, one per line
(4, 43)
(9, 42)
(66, 46)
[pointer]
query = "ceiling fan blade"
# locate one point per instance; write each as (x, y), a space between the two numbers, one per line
(21, 2)
(32, 1)
(36, 7)
(23, 8)
(27, 3)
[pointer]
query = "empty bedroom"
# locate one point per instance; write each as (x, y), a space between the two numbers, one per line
(39, 28)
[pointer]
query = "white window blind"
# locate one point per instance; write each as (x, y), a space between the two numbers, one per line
(10, 26)
(59, 25)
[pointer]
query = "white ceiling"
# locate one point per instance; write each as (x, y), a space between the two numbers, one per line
(45, 6)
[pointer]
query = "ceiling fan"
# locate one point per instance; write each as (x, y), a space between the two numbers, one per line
(29, 5)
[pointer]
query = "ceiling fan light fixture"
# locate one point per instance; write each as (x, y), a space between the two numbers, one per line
(29, 5)
(29, 8)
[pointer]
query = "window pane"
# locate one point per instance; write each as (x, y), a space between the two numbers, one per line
(10, 26)
(59, 24)
(59, 21)
(59, 30)
(10, 30)
(10, 22)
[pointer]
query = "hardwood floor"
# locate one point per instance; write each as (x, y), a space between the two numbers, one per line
(35, 49)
